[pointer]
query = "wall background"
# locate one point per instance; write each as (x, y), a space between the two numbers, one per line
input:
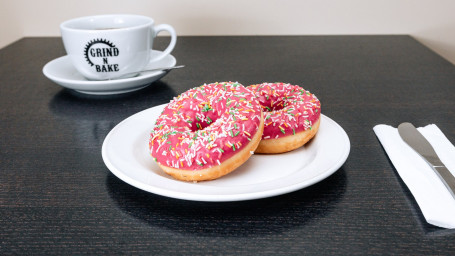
(432, 22)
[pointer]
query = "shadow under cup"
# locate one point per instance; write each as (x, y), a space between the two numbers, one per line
(112, 46)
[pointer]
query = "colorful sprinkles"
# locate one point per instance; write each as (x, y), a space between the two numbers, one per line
(288, 109)
(204, 126)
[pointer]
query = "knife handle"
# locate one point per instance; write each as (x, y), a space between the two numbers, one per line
(446, 178)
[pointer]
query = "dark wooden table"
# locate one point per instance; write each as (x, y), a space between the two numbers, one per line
(58, 197)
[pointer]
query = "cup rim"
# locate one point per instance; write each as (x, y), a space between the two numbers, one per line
(66, 25)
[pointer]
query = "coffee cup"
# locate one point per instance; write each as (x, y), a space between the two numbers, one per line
(109, 46)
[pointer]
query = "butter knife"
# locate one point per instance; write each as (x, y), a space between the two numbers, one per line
(420, 144)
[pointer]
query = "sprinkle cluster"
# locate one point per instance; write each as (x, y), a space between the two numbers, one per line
(288, 109)
(205, 126)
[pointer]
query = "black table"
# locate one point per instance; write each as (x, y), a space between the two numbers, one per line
(58, 197)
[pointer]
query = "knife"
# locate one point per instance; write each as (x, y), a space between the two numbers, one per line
(420, 144)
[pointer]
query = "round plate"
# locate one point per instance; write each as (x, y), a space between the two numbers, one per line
(125, 152)
(62, 72)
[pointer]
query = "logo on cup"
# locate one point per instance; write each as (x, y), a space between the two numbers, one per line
(100, 53)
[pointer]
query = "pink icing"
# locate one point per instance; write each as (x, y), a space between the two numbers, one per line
(205, 126)
(288, 109)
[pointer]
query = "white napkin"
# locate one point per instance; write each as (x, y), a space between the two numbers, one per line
(433, 198)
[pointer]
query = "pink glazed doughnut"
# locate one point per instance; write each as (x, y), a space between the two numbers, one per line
(291, 116)
(207, 132)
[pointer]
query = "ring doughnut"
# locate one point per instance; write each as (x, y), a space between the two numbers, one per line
(291, 116)
(207, 131)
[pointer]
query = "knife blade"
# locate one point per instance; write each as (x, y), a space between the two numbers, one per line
(420, 144)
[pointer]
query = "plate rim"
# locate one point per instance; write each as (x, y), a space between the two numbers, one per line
(342, 157)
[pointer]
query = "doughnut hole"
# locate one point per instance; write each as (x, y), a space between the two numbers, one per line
(272, 104)
(202, 120)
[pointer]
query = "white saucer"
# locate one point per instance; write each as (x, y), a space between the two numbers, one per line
(62, 72)
(125, 152)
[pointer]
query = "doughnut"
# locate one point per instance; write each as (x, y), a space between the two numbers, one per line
(207, 132)
(291, 116)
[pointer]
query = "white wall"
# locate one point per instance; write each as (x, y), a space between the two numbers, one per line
(432, 22)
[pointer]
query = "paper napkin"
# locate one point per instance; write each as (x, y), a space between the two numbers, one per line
(435, 201)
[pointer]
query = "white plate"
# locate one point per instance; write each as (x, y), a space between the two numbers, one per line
(62, 72)
(125, 153)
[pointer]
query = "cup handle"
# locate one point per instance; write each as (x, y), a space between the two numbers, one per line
(170, 47)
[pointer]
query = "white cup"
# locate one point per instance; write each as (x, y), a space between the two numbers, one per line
(108, 46)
